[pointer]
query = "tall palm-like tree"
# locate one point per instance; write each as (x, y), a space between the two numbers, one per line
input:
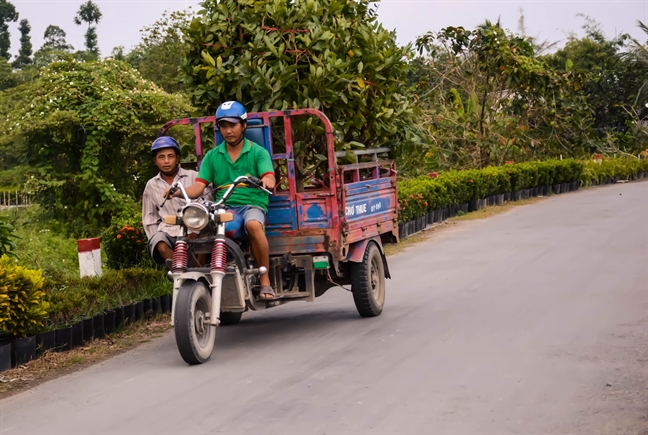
(89, 13)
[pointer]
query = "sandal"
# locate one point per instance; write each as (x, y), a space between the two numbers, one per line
(267, 293)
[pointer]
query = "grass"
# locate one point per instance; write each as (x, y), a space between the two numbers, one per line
(42, 244)
(56, 364)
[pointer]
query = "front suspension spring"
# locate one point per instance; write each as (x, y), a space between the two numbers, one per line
(180, 257)
(219, 256)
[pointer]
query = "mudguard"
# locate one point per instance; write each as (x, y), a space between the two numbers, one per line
(357, 250)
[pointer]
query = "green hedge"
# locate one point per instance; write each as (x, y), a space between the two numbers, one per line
(71, 299)
(419, 195)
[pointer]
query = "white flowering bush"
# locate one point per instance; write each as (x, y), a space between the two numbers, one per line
(87, 127)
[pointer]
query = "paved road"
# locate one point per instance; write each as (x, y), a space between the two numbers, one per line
(534, 321)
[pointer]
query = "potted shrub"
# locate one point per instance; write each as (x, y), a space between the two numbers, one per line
(24, 308)
(5, 356)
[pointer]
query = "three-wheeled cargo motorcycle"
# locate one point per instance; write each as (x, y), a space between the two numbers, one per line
(325, 234)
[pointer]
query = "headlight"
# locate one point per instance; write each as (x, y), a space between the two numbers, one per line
(195, 217)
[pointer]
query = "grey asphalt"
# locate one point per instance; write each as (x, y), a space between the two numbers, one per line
(532, 321)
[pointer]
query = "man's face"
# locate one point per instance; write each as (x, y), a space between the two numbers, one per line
(167, 161)
(232, 132)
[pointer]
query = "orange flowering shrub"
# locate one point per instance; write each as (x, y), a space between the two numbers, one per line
(125, 242)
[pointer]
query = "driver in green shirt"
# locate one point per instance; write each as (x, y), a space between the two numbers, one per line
(235, 157)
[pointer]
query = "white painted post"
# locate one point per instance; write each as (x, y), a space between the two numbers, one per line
(89, 257)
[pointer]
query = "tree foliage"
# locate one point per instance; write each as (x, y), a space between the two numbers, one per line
(159, 54)
(89, 13)
(55, 39)
(55, 48)
(614, 78)
(8, 14)
(25, 52)
(330, 55)
(486, 98)
(87, 128)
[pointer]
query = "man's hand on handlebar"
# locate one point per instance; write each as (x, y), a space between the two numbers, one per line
(171, 192)
(269, 182)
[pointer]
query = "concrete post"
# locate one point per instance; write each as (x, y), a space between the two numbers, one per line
(89, 257)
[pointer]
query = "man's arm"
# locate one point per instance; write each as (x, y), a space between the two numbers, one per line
(150, 215)
(266, 169)
(194, 191)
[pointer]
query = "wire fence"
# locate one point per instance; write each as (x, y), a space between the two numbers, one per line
(16, 199)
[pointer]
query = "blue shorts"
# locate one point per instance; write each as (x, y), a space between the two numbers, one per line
(250, 213)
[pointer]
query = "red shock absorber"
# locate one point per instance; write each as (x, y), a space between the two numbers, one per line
(219, 256)
(180, 257)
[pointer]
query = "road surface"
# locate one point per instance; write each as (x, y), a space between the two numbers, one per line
(533, 321)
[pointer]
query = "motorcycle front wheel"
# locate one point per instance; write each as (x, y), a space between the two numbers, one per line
(194, 335)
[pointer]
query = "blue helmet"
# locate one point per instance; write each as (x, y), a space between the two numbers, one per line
(164, 142)
(231, 111)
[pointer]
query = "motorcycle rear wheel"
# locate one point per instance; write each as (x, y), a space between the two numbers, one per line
(194, 336)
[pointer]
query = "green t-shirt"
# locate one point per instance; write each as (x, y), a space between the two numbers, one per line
(218, 169)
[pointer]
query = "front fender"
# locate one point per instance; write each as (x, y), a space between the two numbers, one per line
(193, 276)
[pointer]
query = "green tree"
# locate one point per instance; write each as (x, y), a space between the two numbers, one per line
(330, 55)
(89, 13)
(8, 14)
(25, 52)
(486, 98)
(55, 39)
(55, 48)
(87, 128)
(160, 53)
(614, 77)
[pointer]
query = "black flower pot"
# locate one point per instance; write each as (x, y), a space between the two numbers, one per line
(473, 205)
(157, 301)
(99, 325)
(5, 356)
(45, 341)
(77, 334)
(555, 189)
(507, 196)
(109, 321)
(166, 299)
(401, 236)
(63, 339)
(499, 199)
(88, 329)
(139, 311)
(575, 185)
(617, 178)
(129, 314)
(23, 350)
(120, 316)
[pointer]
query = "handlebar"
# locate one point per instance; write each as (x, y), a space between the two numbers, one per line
(252, 181)
(174, 188)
